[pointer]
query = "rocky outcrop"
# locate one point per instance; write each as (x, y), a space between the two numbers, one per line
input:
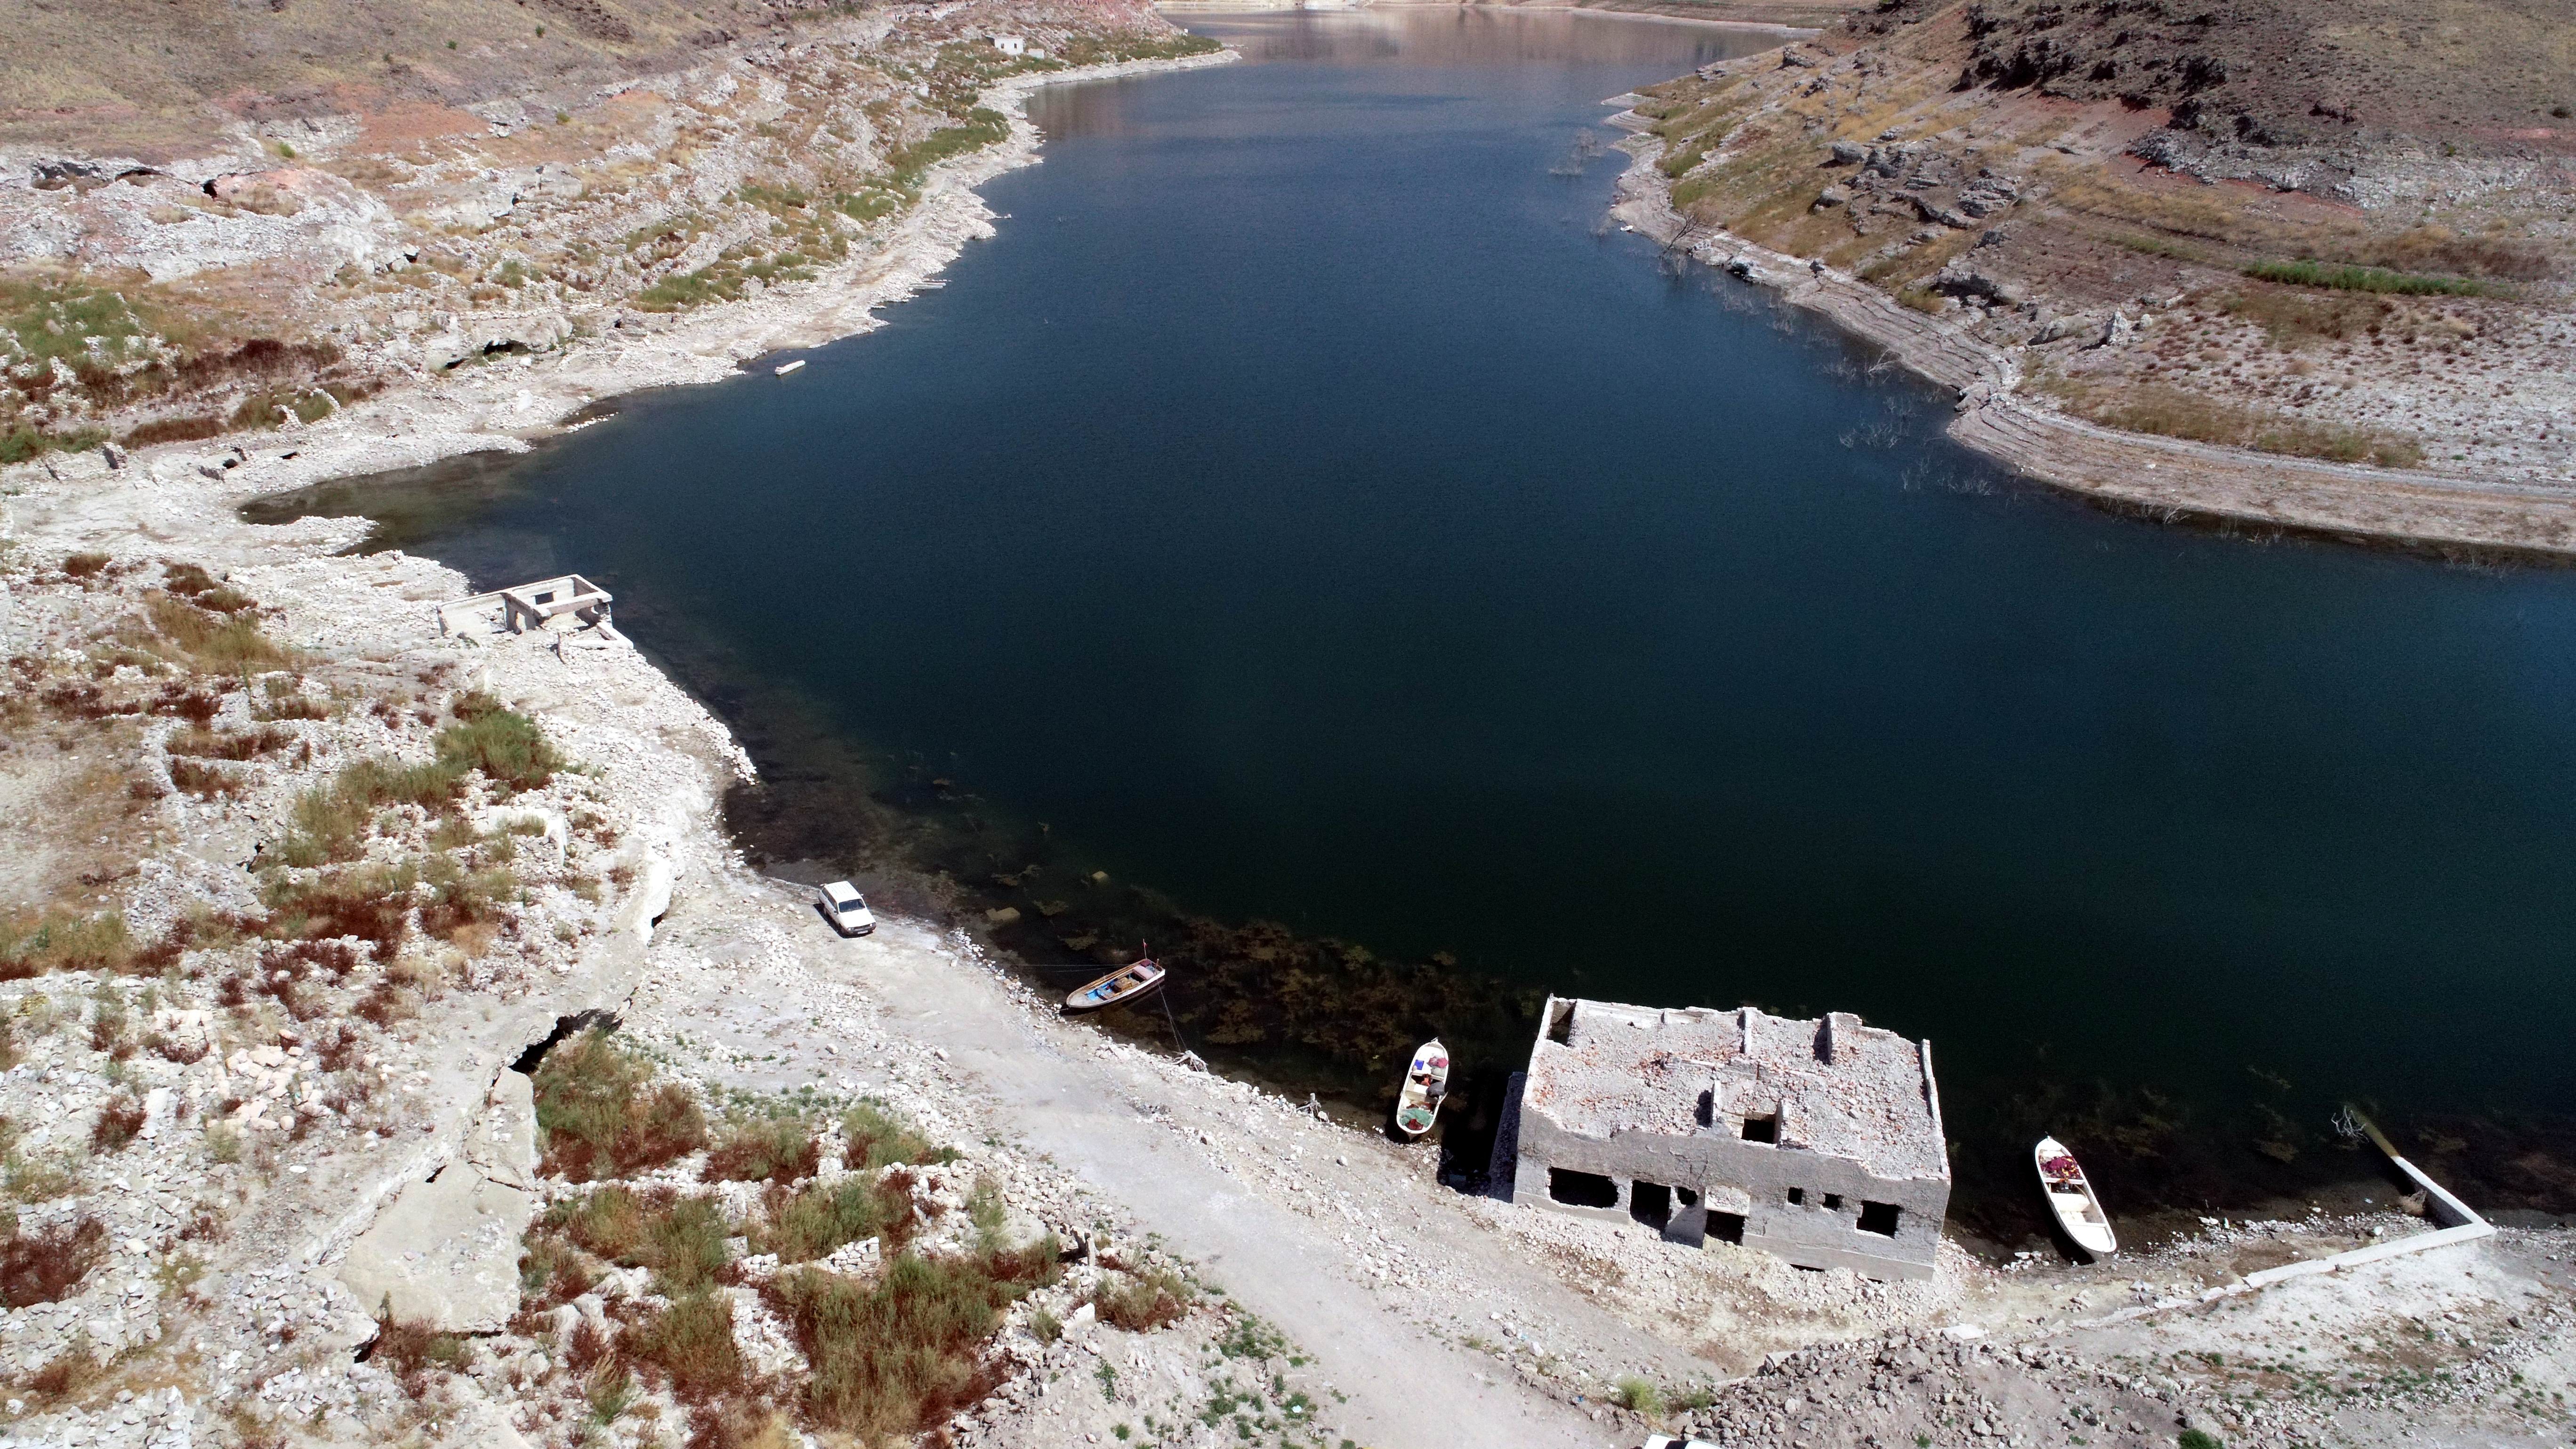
(446, 1252)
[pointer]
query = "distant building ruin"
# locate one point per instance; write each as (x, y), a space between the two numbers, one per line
(1819, 1141)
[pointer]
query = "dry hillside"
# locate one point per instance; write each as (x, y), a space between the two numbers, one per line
(220, 217)
(2340, 231)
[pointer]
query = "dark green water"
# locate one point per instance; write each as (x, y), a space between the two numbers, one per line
(1304, 508)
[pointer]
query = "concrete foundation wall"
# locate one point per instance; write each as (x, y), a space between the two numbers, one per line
(1710, 1164)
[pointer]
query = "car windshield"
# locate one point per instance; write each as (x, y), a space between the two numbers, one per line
(853, 906)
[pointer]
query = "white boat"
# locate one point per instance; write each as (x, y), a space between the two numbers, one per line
(1425, 1083)
(1127, 983)
(784, 368)
(2070, 1196)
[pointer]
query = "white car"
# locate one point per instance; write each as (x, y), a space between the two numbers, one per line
(847, 909)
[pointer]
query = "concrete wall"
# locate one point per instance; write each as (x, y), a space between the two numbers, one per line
(1727, 1173)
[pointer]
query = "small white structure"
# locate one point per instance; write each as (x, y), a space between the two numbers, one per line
(530, 606)
(1010, 44)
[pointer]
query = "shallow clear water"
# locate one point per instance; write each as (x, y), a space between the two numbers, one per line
(1307, 508)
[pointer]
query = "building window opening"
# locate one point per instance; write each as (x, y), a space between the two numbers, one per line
(1726, 1227)
(1650, 1203)
(1685, 1197)
(1560, 1023)
(1706, 1112)
(1581, 1189)
(1765, 1128)
(1797, 1197)
(1880, 1218)
(1833, 1202)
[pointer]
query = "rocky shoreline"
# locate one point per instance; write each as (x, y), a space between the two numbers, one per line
(516, 401)
(2166, 479)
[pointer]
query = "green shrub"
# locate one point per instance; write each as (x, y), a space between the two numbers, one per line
(1639, 1394)
(809, 1223)
(23, 442)
(982, 128)
(780, 1149)
(504, 744)
(876, 1140)
(2197, 1439)
(601, 1115)
(681, 1239)
(691, 1344)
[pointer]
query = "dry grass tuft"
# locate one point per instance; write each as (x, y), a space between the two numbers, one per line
(33, 943)
(1139, 1302)
(207, 782)
(213, 641)
(371, 902)
(2173, 413)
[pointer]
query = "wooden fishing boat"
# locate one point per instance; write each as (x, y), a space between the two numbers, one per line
(2070, 1197)
(1425, 1083)
(1127, 983)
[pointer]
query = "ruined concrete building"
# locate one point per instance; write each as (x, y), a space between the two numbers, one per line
(1819, 1141)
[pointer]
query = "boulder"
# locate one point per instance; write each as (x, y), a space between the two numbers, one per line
(652, 897)
(1849, 153)
(445, 1253)
(503, 1144)
(854, 1259)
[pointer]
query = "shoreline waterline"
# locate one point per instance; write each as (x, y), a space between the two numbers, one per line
(1410, 953)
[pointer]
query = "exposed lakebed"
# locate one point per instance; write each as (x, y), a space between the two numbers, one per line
(1306, 510)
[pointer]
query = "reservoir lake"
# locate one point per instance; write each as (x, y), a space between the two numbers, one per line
(1309, 508)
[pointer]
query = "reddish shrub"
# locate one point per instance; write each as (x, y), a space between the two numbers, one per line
(45, 1267)
(413, 1351)
(174, 430)
(117, 1124)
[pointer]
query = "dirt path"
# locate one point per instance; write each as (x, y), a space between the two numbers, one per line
(1083, 1110)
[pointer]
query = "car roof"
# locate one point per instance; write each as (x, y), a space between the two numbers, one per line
(840, 890)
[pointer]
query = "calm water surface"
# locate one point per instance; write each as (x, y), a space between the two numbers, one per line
(1307, 507)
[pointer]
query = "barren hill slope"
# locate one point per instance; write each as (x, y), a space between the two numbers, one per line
(151, 73)
(2342, 231)
(227, 217)
(2294, 72)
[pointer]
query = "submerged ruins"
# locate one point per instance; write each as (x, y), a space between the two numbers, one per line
(1819, 1141)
